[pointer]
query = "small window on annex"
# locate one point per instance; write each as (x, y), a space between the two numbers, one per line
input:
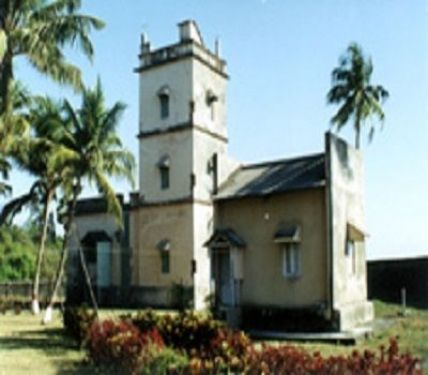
(164, 247)
(164, 167)
(351, 255)
(291, 260)
(289, 240)
(354, 235)
(164, 102)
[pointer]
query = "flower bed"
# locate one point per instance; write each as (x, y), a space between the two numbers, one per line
(190, 343)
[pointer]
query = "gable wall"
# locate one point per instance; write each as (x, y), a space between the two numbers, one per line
(345, 180)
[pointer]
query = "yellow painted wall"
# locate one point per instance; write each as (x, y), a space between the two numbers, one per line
(151, 224)
(256, 220)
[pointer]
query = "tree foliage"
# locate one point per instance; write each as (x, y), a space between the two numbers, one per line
(39, 30)
(92, 149)
(18, 252)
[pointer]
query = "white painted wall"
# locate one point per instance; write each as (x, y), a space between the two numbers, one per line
(96, 222)
(179, 148)
(202, 230)
(347, 206)
(189, 81)
(178, 77)
(205, 80)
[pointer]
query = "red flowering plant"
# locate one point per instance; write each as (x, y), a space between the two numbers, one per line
(287, 359)
(120, 344)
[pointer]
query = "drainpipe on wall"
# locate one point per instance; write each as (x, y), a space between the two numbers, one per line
(329, 226)
(215, 173)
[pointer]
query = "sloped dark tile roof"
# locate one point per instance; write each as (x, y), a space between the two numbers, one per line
(226, 235)
(275, 177)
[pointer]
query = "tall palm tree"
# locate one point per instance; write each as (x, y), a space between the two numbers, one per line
(93, 152)
(39, 30)
(351, 89)
(48, 136)
(33, 155)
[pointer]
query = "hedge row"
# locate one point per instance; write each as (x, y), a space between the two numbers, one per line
(190, 343)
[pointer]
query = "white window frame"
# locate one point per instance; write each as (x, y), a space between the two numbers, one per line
(291, 263)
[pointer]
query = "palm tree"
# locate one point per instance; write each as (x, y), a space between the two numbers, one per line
(352, 90)
(32, 155)
(39, 30)
(47, 126)
(93, 152)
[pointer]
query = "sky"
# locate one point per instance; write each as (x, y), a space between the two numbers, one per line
(280, 54)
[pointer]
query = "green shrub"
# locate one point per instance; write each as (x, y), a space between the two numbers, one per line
(144, 320)
(18, 253)
(189, 331)
(77, 321)
(14, 303)
(166, 361)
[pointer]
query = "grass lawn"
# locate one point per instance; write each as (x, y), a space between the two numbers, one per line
(27, 347)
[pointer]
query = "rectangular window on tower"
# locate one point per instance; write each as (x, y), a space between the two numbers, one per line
(164, 106)
(165, 262)
(164, 178)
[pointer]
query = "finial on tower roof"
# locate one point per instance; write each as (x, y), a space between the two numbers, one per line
(144, 43)
(188, 30)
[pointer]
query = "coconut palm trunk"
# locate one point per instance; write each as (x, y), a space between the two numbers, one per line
(70, 228)
(35, 307)
(84, 265)
(58, 279)
(6, 74)
(47, 318)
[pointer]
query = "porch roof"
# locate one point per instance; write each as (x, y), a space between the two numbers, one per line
(92, 237)
(290, 233)
(225, 237)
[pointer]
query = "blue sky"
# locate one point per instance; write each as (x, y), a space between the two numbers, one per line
(280, 54)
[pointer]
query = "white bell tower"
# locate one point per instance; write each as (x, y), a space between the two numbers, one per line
(182, 158)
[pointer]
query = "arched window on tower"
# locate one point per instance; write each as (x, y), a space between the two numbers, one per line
(164, 247)
(164, 101)
(164, 165)
(211, 98)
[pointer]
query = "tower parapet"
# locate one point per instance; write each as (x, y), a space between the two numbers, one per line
(190, 44)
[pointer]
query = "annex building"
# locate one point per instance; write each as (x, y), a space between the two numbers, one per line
(262, 242)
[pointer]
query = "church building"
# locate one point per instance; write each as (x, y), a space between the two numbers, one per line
(280, 241)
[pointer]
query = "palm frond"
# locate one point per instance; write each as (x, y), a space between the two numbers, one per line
(351, 90)
(113, 204)
(12, 208)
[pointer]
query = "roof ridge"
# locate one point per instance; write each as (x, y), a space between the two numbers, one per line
(301, 171)
(280, 161)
